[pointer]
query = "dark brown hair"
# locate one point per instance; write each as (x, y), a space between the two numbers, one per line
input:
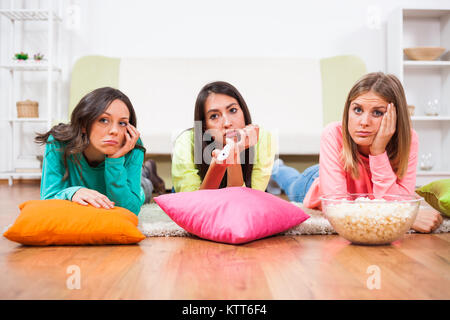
(90, 107)
(199, 141)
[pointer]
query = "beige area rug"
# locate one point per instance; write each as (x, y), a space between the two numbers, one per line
(154, 222)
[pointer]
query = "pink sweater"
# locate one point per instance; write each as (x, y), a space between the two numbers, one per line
(376, 177)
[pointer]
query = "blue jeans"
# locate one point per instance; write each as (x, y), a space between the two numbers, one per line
(294, 183)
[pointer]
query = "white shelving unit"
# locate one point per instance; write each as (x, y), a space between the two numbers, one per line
(17, 18)
(426, 64)
(424, 81)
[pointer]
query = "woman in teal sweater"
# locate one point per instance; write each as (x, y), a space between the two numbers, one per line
(97, 158)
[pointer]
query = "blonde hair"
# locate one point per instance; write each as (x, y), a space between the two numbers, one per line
(390, 89)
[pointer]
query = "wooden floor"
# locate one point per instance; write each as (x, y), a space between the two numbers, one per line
(282, 267)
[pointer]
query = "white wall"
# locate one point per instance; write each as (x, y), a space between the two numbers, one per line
(212, 28)
(203, 28)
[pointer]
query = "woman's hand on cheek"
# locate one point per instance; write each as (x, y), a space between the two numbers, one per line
(131, 137)
(385, 132)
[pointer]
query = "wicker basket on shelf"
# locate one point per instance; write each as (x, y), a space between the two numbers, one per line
(27, 109)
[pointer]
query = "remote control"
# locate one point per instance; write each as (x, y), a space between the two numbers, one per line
(224, 153)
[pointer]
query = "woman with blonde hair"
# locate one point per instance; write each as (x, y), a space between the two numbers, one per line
(373, 150)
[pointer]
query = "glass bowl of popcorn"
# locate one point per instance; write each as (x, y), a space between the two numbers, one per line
(371, 219)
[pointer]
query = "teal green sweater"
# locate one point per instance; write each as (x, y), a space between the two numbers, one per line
(117, 178)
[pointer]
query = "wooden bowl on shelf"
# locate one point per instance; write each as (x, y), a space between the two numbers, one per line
(424, 53)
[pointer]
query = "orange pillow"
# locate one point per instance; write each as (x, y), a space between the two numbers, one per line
(63, 222)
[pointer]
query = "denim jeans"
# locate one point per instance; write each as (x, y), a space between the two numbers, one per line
(294, 183)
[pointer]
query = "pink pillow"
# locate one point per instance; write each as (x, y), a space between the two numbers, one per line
(231, 215)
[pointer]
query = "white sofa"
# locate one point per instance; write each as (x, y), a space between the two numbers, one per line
(284, 95)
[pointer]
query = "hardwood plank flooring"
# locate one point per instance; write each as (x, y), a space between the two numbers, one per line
(281, 267)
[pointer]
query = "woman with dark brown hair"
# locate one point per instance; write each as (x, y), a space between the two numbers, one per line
(224, 149)
(373, 150)
(97, 158)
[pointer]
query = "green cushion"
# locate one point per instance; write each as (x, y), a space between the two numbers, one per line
(339, 74)
(92, 72)
(437, 194)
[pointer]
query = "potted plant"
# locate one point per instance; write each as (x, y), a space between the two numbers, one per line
(38, 57)
(21, 57)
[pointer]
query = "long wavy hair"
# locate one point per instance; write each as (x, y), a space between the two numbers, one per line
(199, 133)
(390, 89)
(90, 107)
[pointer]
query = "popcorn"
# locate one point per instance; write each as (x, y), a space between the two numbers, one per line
(368, 221)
